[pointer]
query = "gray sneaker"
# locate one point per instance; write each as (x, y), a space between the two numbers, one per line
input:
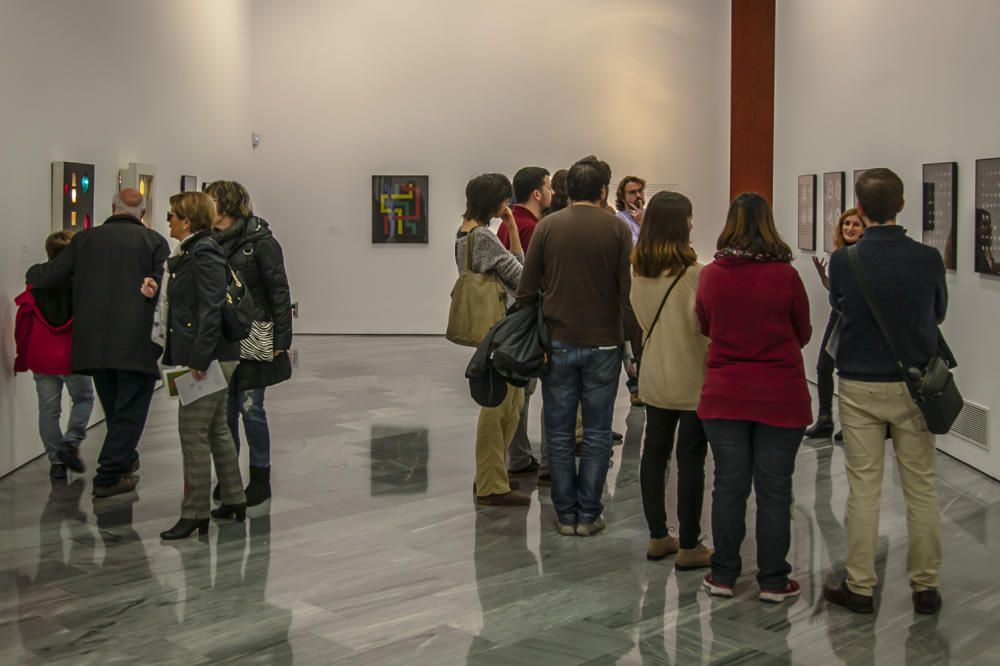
(590, 529)
(565, 530)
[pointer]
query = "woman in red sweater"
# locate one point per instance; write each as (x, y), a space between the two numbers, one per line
(755, 404)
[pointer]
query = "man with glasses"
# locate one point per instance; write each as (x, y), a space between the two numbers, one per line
(112, 322)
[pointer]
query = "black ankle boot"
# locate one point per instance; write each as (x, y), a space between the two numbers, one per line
(231, 511)
(184, 528)
(259, 489)
(822, 429)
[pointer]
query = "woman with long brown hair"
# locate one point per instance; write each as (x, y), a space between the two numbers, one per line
(755, 403)
(847, 232)
(664, 285)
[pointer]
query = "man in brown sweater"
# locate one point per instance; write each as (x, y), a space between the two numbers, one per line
(579, 257)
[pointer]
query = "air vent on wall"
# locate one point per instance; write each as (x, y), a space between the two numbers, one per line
(973, 424)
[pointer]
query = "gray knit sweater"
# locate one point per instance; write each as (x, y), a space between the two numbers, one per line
(490, 256)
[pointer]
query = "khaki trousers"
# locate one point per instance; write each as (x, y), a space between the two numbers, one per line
(205, 437)
(865, 409)
(494, 431)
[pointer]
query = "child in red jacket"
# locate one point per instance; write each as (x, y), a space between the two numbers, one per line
(43, 337)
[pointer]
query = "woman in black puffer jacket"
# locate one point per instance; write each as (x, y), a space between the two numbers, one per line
(253, 253)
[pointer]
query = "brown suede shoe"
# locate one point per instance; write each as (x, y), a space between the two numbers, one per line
(125, 484)
(660, 548)
(504, 499)
(842, 596)
(698, 557)
(927, 602)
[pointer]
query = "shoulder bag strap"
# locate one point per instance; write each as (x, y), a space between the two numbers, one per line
(659, 310)
(859, 276)
(468, 249)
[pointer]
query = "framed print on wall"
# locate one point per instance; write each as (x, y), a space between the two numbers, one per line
(987, 207)
(72, 196)
(939, 217)
(399, 209)
(189, 184)
(807, 212)
(833, 206)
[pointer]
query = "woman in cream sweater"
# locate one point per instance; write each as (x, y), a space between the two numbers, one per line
(671, 376)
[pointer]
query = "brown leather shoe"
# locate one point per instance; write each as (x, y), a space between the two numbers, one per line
(504, 499)
(657, 549)
(698, 557)
(927, 602)
(125, 484)
(842, 596)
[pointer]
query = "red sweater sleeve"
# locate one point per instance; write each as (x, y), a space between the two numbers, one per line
(22, 334)
(800, 310)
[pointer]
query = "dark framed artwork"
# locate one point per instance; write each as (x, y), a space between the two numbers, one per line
(189, 183)
(987, 207)
(939, 217)
(807, 212)
(72, 196)
(833, 206)
(399, 209)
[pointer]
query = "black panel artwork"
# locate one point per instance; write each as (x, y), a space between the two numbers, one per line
(987, 208)
(939, 218)
(72, 196)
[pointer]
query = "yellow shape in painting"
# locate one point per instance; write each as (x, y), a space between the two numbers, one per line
(403, 196)
(381, 204)
(142, 187)
(72, 195)
(72, 218)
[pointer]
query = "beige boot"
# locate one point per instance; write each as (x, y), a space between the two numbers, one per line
(660, 548)
(698, 557)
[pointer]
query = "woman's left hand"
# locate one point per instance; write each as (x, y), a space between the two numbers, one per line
(198, 375)
(149, 287)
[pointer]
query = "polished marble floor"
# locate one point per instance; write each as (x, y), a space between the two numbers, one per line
(372, 551)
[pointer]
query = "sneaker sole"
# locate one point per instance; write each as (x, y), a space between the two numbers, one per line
(717, 591)
(777, 597)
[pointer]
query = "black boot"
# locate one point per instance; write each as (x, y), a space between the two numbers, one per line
(184, 528)
(259, 490)
(230, 511)
(822, 429)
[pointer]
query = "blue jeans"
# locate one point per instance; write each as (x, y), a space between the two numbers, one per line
(750, 452)
(586, 376)
(250, 404)
(49, 389)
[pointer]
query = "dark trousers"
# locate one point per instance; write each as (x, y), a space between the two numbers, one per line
(749, 452)
(692, 448)
(125, 396)
(249, 404)
(824, 370)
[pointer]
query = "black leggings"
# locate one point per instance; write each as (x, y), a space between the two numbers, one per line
(824, 370)
(692, 447)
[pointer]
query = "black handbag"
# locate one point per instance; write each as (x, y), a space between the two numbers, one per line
(933, 387)
(238, 311)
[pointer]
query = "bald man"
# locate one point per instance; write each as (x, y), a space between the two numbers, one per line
(112, 322)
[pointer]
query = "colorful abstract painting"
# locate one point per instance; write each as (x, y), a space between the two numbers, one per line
(399, 209)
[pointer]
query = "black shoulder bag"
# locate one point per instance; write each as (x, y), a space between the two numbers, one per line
(932, 388)
(238, 311)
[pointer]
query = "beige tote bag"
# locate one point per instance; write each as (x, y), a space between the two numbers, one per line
(478, 301)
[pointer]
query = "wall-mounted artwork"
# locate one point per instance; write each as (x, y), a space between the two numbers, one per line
(833, 206)
(399, 209)
(807, 212)
(141, 177)
(72, 196)
(987, 208)
(940, 210)
(189, 183)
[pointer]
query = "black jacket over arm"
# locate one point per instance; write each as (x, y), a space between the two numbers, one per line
(907, 281)
(195, 296)
(105, 267)
(252, 250)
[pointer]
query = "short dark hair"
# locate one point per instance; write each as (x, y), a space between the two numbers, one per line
(57, 242)
(485, 195)
(527, 180)
(586, 178)
(880, 194)
(231, 199)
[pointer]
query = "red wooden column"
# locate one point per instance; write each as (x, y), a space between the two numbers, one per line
(751, 142)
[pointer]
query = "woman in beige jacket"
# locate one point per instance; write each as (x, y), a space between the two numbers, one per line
(672, 371)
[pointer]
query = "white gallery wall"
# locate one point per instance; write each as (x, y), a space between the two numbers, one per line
(343, 90)
(107, 82)
(897, 83)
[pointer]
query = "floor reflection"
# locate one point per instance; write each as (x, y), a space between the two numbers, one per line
(398, 460)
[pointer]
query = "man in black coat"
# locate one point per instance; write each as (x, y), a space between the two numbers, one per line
(112, 323)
